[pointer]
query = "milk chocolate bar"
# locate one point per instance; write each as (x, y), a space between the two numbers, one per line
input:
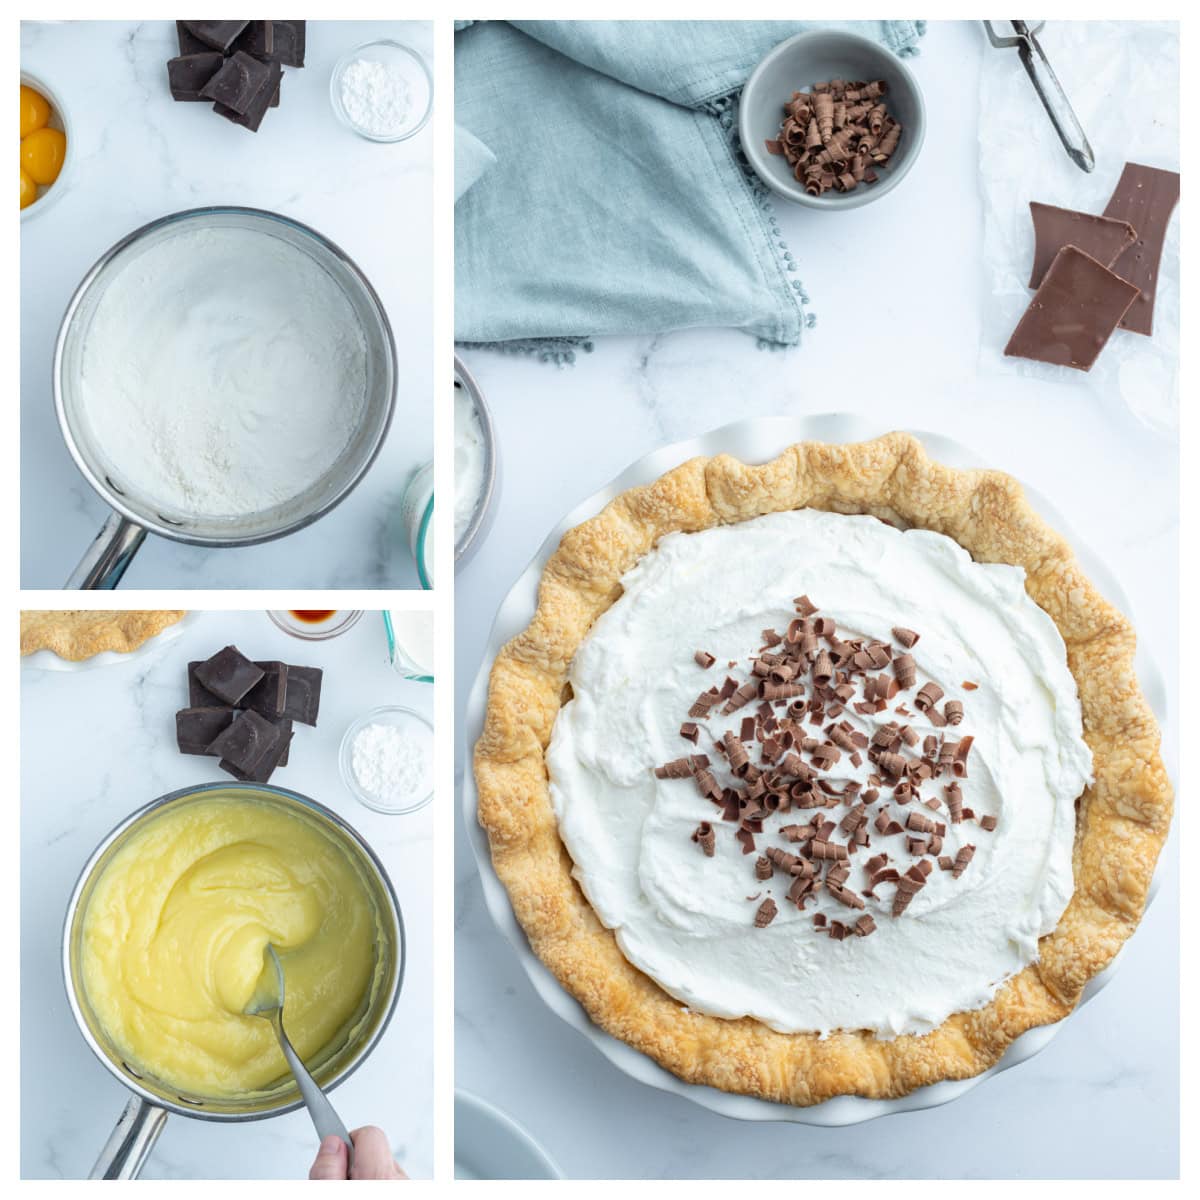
(188, 73)
(1053, 228)
(219, 35)
(197, 728)
(229, 674)
(1146, 198)
(1073, 314)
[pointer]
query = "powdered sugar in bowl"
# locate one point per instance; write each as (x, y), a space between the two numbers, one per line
(386, 759)
(382, 90)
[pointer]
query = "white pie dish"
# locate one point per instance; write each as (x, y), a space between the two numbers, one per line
(755, 441)
(47, 660)
(489, 1144)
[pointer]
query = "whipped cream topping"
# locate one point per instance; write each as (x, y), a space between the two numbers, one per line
(469, 456)
(686, 919)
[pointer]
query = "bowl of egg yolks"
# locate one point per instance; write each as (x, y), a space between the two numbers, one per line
(45, 146)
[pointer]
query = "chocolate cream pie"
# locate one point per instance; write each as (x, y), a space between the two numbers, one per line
(827, 776)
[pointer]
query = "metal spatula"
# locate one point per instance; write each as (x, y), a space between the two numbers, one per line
(267, 1002)
(1023, 35)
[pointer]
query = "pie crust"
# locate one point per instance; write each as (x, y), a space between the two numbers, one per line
(1123, 818)
(75, 634)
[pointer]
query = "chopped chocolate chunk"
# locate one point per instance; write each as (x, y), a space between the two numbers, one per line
(198, 695)
(705, 837)
(303, 694)
(746, 838)
(1103, 238)
(1146, 198)
(258, 104)
(275, 755)
(246, 741)
(1073, 314)
(228, 675)
(257, 39)
(765, 914)
(217, 35)
(197, 728)
(268, 696)
(237, 83)
(289, 39)
(189, 73)
(968, 686)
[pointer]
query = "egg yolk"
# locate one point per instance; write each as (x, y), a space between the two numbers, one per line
(28, 190)
(35, 111)
(42, 154)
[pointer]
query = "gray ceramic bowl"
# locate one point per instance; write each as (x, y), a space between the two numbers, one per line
(794, 66)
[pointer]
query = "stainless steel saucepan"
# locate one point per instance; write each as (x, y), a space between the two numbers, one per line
(135, 515)
(152, 1101)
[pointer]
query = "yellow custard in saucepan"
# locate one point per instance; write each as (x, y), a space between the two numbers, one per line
(174, 933)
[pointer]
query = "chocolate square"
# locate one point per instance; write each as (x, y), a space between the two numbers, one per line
(257, 39)
(189, 43)
(229, 674)
(1073, 314)
(1053, 228)
(219, 35)
(257, 107)
(197, 728)
(274, 756)
(188, 73)
(247, 741)
(303, 694)
(198, 695)
(238, 83)
(268, 696)
(288, 38)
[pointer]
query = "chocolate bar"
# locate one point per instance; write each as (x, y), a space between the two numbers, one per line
(237, 84)
(219, 35)
(288, 38)
(262, 99)
(303, 694)
(247, 741)
(268, 696)
(1146, 198)
(1053, 228)
(188, 73)
(228, 675)
(197, 728)
(1073, 314)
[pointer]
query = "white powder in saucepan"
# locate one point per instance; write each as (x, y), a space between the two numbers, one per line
(224, 371)
(390, 764)
(375, 96)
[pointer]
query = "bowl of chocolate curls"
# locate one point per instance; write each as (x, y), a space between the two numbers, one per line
(831, 120)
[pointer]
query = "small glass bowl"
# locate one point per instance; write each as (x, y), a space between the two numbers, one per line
(342, 619)
(416, 73)
(389, 714)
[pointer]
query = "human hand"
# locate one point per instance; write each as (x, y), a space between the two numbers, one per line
(372, 1157)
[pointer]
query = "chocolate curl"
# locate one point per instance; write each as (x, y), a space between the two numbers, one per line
(892, 764)
(865, 925)
(988, 822)
(921, 823)
(706, 783)
(928, 696)
(905, 668)
(828, 851)
(741, 696)
(704, 659)
(677, 768)
(706, 838)
(765, 914)
(952, 710)
(739, 759)
(962, 859)
(887, 146)
(781, 691)
(887, 825)
(804, 606)
(906, 637)
(763, 868)
(690, 730)
(746, 838)
(822, 669)
(823, 114)
(960, 756)
(845, 896)
(797, 833)
(954, 802)
(825, 756)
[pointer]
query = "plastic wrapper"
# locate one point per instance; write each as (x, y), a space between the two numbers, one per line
(1122, 78)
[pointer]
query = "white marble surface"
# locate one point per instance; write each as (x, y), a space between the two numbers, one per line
(98, 743)
(141, 155)
(897, 288)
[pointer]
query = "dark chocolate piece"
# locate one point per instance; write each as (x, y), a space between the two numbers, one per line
(189, 43)
(229, 674)
(188, 73)
(247, 741)
(288, 38)
(1053, 228)
(219, 35)
(1073, 314)
(198, 695)
(197, 728)
(303, 694)
(237, 84)
(257, 107)
(267, 697)
(257, 39)
(275, 756)
(1146, 198)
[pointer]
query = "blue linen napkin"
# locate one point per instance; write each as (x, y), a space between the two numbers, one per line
(615, 198)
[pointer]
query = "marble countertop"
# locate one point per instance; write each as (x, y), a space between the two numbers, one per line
(141, 155)
(898, 344)
(98, 743)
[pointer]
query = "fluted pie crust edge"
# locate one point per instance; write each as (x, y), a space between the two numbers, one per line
(1122, 822)
(77, 634)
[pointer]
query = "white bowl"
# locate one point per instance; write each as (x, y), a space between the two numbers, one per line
(756, 440)
(58, 120)
(489, 1144)
(405, 719)
(417, 76)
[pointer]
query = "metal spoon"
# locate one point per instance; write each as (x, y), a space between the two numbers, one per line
(267, 1002)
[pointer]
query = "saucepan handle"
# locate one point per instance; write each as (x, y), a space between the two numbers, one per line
(102, 566)
(125, 1153)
